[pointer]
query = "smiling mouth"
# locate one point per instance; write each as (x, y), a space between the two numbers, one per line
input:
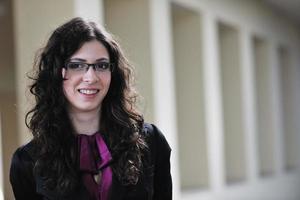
(88, 91)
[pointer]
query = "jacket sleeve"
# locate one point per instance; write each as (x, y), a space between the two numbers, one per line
(162, 174)
(21, 176)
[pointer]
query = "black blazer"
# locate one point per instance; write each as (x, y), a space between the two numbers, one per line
(154, 184)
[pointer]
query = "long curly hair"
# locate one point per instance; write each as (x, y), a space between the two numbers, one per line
(48, 120)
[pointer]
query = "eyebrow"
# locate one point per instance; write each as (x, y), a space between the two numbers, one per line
(83, 60)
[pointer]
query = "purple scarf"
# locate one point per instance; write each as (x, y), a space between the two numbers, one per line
(94, 165)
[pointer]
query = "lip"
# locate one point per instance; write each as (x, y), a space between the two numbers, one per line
(88, 95)
(88, 89)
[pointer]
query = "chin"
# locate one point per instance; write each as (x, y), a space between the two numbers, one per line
(90, 108)
(86, 108)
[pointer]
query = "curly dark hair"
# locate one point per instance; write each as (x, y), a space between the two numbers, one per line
(48, 120)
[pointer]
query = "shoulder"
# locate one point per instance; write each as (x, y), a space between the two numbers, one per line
(23, 159)
(21, 169)
(21, 173)
(155, 138)
(25, 153)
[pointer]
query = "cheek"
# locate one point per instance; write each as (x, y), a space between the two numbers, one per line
(108, 82)
(65, 89)
(105, 81)
(68, 89)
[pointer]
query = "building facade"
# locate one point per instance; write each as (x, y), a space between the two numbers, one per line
(220, 78)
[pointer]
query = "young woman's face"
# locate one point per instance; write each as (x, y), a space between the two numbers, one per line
(86, 89)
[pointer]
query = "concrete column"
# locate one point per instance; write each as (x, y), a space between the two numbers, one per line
(288, 93)
(296, 70)
(230, 72)
(188, 64)
(213, 103)
(7, 95)
(33, 23)
(296, 85)
(163, 80)
(276, 107)
(249, 105)
(2, 9)
(91, 10)
(264, 107)
(1, 164)
(133, 33)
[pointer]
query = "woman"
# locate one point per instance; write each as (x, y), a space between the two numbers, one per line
(89, 141)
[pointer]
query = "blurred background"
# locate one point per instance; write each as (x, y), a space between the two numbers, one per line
(220, 78)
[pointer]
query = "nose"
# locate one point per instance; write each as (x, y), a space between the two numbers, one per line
(90, 76)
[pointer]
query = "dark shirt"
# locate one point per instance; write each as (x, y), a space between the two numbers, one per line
(155, 182)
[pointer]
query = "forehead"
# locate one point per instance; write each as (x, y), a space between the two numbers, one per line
(91, 51)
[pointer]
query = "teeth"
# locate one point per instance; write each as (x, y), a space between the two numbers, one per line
(84, 91)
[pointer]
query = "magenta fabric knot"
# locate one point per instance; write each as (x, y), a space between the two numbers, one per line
(94, 160)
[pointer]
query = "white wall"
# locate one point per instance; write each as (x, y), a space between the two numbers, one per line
(264, 143)
(186, 29)
(133, 33)
(44, 16)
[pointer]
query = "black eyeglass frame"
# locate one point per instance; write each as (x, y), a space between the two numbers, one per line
(93, 65)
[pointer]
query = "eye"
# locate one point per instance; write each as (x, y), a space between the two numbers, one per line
(75, 66)
(102, 66)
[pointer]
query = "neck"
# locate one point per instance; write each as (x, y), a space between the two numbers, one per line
(86, 123)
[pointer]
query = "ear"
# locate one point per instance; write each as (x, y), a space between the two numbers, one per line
(63, 73)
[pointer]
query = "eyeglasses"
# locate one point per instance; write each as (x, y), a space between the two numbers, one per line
(81, 68)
